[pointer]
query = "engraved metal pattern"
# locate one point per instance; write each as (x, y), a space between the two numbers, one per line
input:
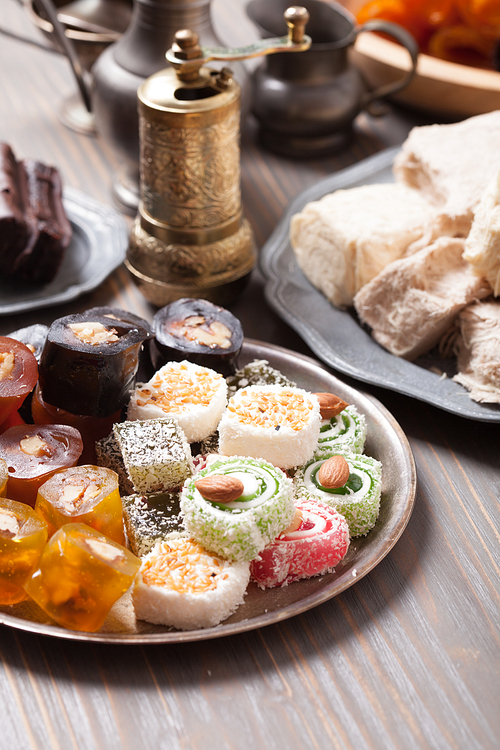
(205, 265)
(190, 177)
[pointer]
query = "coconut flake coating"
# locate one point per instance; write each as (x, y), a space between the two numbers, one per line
(196, 396)
(239, 530)
(150, 519)
(108, 454)
(346, 431)
(279, 424)
(358, 501)
(257, 372)
(155, 452)
(182, 585)
(315, 548)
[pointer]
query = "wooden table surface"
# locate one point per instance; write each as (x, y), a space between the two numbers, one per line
(408, 657)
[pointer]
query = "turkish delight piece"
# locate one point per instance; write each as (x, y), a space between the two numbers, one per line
(280, 425)
(23, 535)
(108, 454)
(155, 452)
(80, 575)
(183, 585)
(82, 494)
(196, 396)
(313, 545)
(358, 499)
(237, 527)
(257, 372)
(345, 431)
(150, 519)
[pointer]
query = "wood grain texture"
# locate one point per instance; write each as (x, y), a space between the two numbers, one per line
(407, 658)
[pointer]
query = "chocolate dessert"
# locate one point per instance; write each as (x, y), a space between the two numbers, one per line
(35, 229)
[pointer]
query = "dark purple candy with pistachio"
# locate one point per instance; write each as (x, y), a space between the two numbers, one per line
(198, 331)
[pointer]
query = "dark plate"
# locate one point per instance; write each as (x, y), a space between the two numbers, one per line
(97, 247)
(334, 335)
(386, 442)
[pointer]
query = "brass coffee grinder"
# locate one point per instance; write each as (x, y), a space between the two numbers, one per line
(189, 238)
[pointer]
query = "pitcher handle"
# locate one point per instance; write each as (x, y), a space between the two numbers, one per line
(406, 39)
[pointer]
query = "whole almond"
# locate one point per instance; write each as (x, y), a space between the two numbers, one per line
(220, 488)
(334, 472)
(330, 405)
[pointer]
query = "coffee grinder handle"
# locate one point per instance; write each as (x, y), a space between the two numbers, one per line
(187, 56)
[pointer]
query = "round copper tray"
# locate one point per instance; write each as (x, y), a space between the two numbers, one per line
(386, 442)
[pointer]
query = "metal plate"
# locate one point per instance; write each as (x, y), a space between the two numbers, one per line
(97, 247)
(386, 442)
(334, 335)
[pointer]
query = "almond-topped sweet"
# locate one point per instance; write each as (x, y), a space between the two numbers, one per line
(330, 405)
(220, 488)
(198, 331)
(334, 472)
(240, 528)
(34, 453)
(93, 332)
(83, 494)
(18, 375)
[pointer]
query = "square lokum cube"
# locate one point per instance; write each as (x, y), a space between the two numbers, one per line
(108, 454)
(150, 519)
(155, 452)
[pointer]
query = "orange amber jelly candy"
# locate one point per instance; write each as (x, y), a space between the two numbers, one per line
(4, 475)
(80, 575)
(23, 535)
(18, 375)
(83, 494)
(91, 429)
(34, 453)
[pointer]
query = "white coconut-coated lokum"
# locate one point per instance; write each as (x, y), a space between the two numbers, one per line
(182, 585)
(279, 424)
(196, 396)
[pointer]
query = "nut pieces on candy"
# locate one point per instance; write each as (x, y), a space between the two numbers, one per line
(334, 472)
(330, 405)
(221, 489)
